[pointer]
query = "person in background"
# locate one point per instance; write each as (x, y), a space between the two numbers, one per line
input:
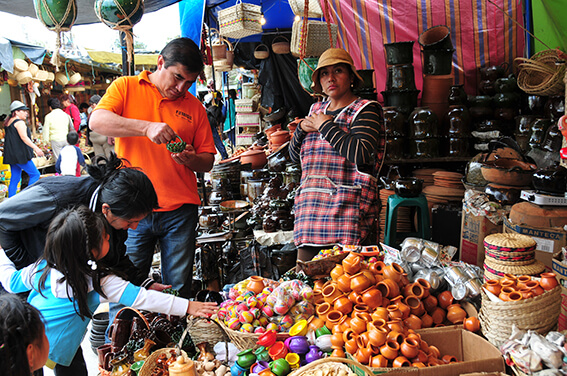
(24, 347)
(72, 110)
(340, 146)
(19, 148)
(71, 159)
(214, 114)
(144, 113)
(67, 285)
(56, 126)
(230, 120)
(102, 145)
(83, 110)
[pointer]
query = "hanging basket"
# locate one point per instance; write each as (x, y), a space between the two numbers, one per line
(20, 65)
(61, 78)
(314, 11)
(119, 13)
(280, 45)
(74, 78)
(32, 68)
(261, 51)
(50, 77)
(542, 74)
(56, 15)
(316, 39)
(240, 20)
(24, 77)
(41, 75)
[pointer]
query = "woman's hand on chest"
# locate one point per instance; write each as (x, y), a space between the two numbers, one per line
(313, 123)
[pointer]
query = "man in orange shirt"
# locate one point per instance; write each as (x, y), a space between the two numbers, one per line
(144, 112)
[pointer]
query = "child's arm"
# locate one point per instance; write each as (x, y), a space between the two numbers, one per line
(120, 291)
(80, 157)
(14, 281)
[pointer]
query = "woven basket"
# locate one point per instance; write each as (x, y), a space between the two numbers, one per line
(280, 45)
(542, 74)
(298, 8)
(245, 105)
(321, 364)
(539, 314)
(316, 38)
(240, 20)
(245, 341)
(261, 51)
(202, 329)
(150, 362)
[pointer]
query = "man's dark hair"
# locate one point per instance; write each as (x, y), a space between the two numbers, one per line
(185, 52)
(83, 106)
(72, 138)
(54, 103)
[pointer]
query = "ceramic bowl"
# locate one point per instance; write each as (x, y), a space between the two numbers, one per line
(511, 172)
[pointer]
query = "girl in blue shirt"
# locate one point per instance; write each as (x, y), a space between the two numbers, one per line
(67, 285)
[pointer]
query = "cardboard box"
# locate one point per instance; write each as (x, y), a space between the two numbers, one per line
(473, 231)
(549, 240)
(560, 269)
(475, 354)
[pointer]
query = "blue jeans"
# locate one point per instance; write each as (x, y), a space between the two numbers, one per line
(218, 143)
(16, 171)
(175, 231)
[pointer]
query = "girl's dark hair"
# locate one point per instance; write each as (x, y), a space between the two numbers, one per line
(185, 52)
(20, 325)
(128, 191)
(70, 239)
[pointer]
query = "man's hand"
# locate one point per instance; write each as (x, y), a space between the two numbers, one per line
(158, 286)
(186, 156)
(160, 133)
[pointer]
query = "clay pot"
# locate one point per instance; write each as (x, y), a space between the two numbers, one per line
(390, 349)
(331, 292)
(394, 122)
(351, 345)
(388, 287)
(404, 100)
(377, 335)
(535, 288)
(425, 285)
(315, 323)
(337, 340)
(394, 312)
(458, 121)
(436, 37)
(399, 52)
(438, 315)
(400, 77)
(414, 289)
(423, 123)
(401, 361)
(449, 359)
(280, 137)
(337, 272)
(493, 286)
(380, 313)
(430, 303)
(355, 297)
(318, 296)
(333, 318)
(472, 324)
(359, 282)
(413, 322)
(378, 361)
(409, 348)
(434, 351)
(322, 310)
(396, 325)
(505, 293)
(393, 271)
(363, 354)
(455, 314)
(551, 180)
(426, 321)
(338, 352)
(358, 324)
(548, 281)
(343, 305)
(352, 263)
(404, 308)
(416, 306)
(360, 308)
(457, 95)
(343, 283)
(526, 293)
(372, 297)
(445, 299)
(508, 280)
(371, 276)
(377, 267)
(257, 158)
(255, 284)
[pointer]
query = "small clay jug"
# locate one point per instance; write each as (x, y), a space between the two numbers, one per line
(255, 284)
(359, 282)
(338, 352)
(343, 304)
(394, 122)
(372, 297)
(390, 349)
(457, 95)
(343, 283)
(378, 361)
(331, 292)
(414, 289)
(423, 123)
(352, 263)
(337, 272)
(493, 286)
(430, 303)
(458, 121)
(409, 348)
(445, 299)
(377, 335)
(472, 324)
(388, 287)
(456, 314)
(393, 271)
(333, 318)
(535, 288)
(548, 281)
(413, 322)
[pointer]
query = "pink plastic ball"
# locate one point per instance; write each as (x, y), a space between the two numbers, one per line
(222, 313)
(259, 330)
(286, 321)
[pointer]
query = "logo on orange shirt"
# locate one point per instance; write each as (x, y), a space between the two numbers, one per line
(184, 115)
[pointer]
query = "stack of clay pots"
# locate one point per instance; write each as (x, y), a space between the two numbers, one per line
(367, 89)
(373, 312)
(400, 85)
(25, 73)
(437, 55)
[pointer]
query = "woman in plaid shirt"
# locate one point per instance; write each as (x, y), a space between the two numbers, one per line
(340, 146)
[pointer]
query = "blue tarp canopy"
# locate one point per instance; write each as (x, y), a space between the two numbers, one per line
(34, 53)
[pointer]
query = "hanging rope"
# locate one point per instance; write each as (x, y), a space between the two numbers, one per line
(58, 28)
(125, 24)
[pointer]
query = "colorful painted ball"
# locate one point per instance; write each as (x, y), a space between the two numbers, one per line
(241, 308)
(306, 293)
(301, 316)
(233, 323)
(268, 311)
(263, 320)
(252, 301)
(246, 317)
(233, 294)
(272, 326)
(259, 330)
(286, 321)
(222, 313)
(281, 309)
(268, 290)
(256, 323)
(248, 294)
(255, 312)
(247, 328)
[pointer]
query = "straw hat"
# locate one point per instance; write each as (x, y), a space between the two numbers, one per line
(61, 78)
(24, 77)
(21, 65)
(50, 77)
(32, 68)
(330, 57)
(41, 75)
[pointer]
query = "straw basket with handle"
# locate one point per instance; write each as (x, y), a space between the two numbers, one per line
(315, 10)
(280, 45)
(240, 20)
(332, 366)
(204, 329)
(225, 64)
(261, 51)
(245, 341)
(542, 74)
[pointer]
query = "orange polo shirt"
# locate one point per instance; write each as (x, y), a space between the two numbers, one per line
(137, 98)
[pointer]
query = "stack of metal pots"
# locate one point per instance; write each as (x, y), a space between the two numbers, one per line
(367, 89)
(400, 85)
